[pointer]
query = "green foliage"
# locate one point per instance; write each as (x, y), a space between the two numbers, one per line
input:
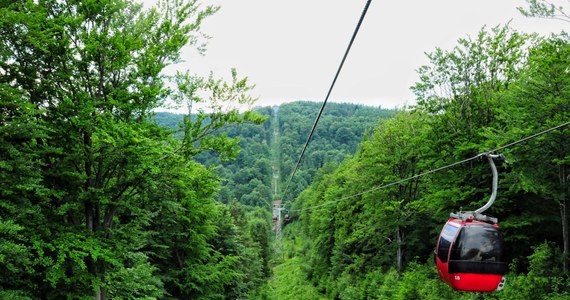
(340, 128)
(249, 179)
(199, 128)
(135, 279)
(366, 231)
(97, 200)
(545, 9)
(543, 280)
(289, 277)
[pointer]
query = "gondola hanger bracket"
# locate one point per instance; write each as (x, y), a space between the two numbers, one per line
(468, 216)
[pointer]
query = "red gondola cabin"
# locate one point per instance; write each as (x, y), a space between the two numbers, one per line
(470, 255)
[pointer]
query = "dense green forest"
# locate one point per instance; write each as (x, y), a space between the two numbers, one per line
(102, 197)
(358, 236)
(274, 148)
(97, 200)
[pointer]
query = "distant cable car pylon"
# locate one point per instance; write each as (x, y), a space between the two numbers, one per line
(278, 207)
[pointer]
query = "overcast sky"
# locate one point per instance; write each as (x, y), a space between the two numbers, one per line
(291, 49)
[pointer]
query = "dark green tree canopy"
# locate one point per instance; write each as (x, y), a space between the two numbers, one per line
(97, 199)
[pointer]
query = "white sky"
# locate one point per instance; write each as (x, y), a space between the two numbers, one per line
(291, 49)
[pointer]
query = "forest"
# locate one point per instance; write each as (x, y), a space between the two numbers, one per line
(273, 148)
(103, 196)
(367, 229)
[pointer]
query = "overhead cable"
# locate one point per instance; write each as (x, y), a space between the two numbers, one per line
(434, 170)
(328, 95)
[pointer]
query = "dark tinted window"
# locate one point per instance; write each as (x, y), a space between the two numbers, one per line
(478, 243)
(447, 235)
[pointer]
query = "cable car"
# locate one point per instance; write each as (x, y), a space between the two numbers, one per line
(470, 253)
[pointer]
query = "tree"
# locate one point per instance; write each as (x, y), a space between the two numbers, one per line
(79, 82)
(543, 89)
(462, 89)
(544, 9)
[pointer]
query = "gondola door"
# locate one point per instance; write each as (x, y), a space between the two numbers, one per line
(446, 238)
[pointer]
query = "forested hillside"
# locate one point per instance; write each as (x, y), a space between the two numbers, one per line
(274, 148)
(101, 197)
(340, 129)
(367, 229)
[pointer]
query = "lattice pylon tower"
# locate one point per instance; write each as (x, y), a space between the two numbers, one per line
(278, 234)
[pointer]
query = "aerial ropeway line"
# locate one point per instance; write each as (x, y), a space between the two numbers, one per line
(328, 95)
(434, 170)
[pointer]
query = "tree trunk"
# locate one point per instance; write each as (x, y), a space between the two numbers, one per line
(564, 219)
(399, 251)
(93, 216)
(564, 215)
(100, 294)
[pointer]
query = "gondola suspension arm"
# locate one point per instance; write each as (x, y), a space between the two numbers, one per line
(478, 214)
(490, 158)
